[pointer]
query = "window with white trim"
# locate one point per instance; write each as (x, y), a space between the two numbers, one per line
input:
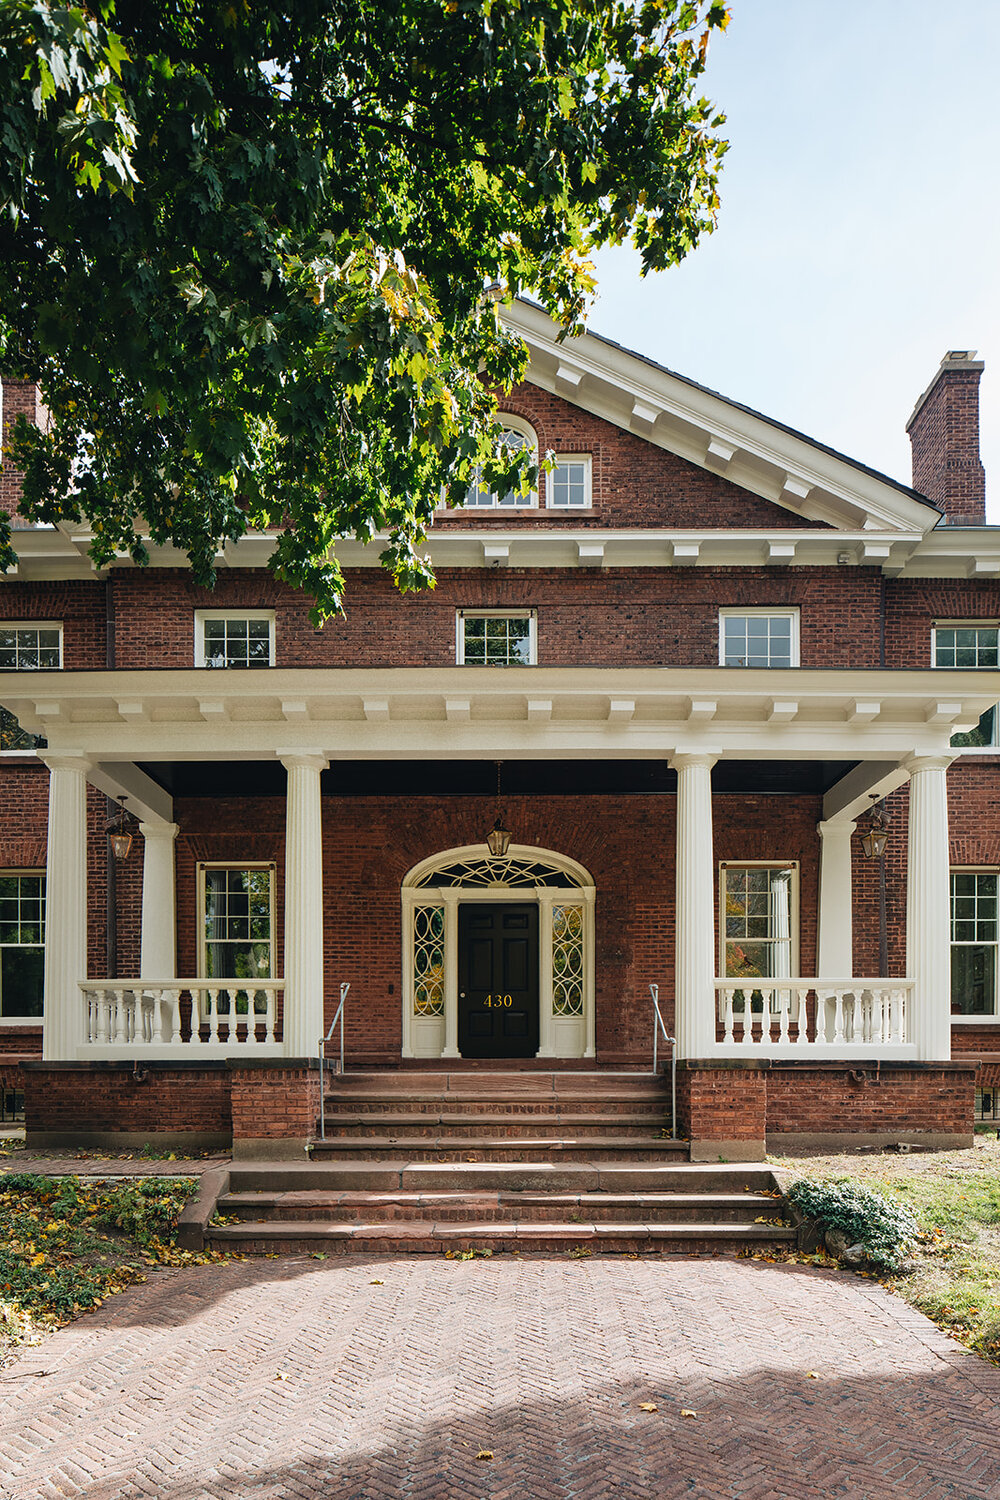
(518, 436)
(224, 638)
(758, 924)
(35, 647)
(496, 638)
(758, 637)
(969, 645)
(237, 921)
(568, 484)
(974, 943)
(22, 945)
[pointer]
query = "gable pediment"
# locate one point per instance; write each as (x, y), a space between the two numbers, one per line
(808, 483)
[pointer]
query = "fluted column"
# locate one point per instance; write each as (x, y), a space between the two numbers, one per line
(835, 943)
(928, 948)
(303, 1008)
(65, 907)
(694, 906)
(157, 945)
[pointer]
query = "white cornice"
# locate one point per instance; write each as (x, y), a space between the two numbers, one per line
(481, 712)
(706, 429)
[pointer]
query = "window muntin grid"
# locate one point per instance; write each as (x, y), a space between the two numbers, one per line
(513, 440)
(758, 638)
(30, 648)
(238, 922)
(236, 641)
(568, 485)
(428, 961)
(22, 945)
(494, 639)
(567, 960)
(974, 941)
(964, 647)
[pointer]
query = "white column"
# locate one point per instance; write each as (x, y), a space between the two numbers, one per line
(157, 947)
(835, 941)
(450, 900)
(694, 904)
(928, 948)
(303, 1009)
(65, 907)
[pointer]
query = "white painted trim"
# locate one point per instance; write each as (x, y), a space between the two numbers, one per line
(587, 460)
(462, 614)
(793, 866)
(201, 939)
(761, 612)
(37, 625)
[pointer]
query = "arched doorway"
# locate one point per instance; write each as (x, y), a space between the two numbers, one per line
(498, 955)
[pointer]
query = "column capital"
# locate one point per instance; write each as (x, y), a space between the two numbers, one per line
(66, 760)
(834, 828)
(681, 760)
(308, 760)
(915, 763)
(159, 830)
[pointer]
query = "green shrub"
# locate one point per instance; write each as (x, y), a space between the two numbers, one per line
(866, 1218)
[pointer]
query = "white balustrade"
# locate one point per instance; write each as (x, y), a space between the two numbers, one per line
(796, 1016)
(181, 1017)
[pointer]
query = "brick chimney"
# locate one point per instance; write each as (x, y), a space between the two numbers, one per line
(17, 398)
(944, 435)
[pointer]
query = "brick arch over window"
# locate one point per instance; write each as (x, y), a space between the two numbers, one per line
(431, 893)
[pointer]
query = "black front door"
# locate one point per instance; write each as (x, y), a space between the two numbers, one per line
(497, 980)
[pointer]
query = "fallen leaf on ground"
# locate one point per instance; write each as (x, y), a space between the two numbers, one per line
(376, 1283)
(281, 1375)
(485, 1453)
(687, 1412)
(811, 1375)
(648, 1406)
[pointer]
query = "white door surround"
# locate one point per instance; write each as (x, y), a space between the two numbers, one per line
(431, 894)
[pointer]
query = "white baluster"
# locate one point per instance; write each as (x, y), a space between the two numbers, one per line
(727, 1014)
(838, 1016)
(784, 1008)
(802, 1013)
(119, 1030)
(173, 999)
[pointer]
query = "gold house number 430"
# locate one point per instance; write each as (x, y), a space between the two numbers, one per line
(492, 1001)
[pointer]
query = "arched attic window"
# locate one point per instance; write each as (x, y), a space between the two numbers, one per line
(518, 436)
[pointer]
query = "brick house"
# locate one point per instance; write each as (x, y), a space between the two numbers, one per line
(681, 677)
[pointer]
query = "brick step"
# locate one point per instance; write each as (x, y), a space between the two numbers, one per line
(604, 1106)
(361, 1175)
(515, 1148)
(472, 1127)
(498, 1084)
(257, 1237)
(458, 1206)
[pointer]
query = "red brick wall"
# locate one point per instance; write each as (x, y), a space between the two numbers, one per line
(913, 605)
(722, 1104)
(106, 1097)
(271, 1102)
(944, 434)
(928, 1100)
(19, 398)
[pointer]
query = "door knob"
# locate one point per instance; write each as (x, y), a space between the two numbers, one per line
(461, 994)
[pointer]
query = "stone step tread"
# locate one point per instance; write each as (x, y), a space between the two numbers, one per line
(445, 1142)
(353, 1198)
(392, 1174)
(297, 1229)
(551, 1118)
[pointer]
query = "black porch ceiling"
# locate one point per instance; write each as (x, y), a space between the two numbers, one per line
(477, 778)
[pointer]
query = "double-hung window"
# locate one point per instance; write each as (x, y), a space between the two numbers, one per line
(496, 638)
(970, 645)
(758, 922)
(758, 637)
(22, 946)
(237, 907)
(224, 638)
(26, 648)
(974, 943)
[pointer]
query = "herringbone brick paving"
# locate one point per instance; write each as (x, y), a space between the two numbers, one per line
(370, 1378)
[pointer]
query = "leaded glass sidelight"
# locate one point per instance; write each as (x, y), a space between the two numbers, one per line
(567, 960)
(428, 960)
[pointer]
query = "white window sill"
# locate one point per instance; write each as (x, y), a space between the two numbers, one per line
(975, 1020)
(11, 1021)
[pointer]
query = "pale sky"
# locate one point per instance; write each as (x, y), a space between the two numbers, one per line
(859, 235)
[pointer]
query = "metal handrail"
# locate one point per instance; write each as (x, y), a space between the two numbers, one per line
(658, 1026)
(338, 1018)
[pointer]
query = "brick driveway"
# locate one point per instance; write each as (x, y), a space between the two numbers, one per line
(301, 1378)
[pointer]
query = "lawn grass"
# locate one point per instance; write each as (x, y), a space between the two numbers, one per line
(67, 1243)
(955, 1197)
